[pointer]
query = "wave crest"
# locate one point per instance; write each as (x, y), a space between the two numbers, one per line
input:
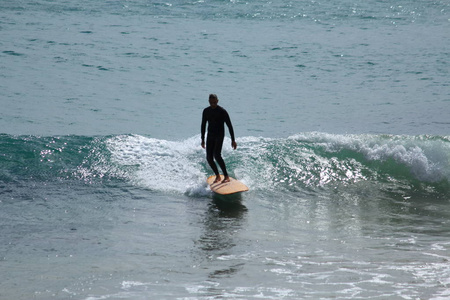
(297, 163)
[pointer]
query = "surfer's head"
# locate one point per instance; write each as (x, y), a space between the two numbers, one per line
(213, 100)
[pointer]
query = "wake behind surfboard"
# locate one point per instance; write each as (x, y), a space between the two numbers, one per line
(227, 188)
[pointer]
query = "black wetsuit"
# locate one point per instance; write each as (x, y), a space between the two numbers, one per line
(216, 118)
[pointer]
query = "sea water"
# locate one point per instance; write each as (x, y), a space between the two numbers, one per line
(341, 112)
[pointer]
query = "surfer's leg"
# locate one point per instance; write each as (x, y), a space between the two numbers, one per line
(210, 156)
(219, 159)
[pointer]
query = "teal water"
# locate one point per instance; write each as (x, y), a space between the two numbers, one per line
(99, 68)
(340, 109)
(360, 216)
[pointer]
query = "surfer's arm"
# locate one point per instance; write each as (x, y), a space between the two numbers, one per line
(230, 126)
(203, 127)
(230, 129)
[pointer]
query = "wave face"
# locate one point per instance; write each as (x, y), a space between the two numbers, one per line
(319, 160)
(306, 162)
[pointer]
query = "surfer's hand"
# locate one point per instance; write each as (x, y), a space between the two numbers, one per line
(234, 145)
(203, 144)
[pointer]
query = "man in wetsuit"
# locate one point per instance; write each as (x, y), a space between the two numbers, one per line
(216, 116)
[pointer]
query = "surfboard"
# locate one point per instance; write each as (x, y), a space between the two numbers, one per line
(227, 188)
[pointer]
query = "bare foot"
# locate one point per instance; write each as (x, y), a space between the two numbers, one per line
(217, 179)
(226, 179)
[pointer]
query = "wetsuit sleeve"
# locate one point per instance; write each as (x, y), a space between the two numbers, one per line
(230, 126)
(203, 127)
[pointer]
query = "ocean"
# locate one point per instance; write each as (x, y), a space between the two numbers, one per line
(341, 112)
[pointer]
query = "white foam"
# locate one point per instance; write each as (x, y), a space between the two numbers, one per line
(130, 284)
(159, 164)
(427, 157)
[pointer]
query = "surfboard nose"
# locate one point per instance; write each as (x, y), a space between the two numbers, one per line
(226, 188)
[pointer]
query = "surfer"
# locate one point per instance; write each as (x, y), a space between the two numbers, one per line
(216, 116)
